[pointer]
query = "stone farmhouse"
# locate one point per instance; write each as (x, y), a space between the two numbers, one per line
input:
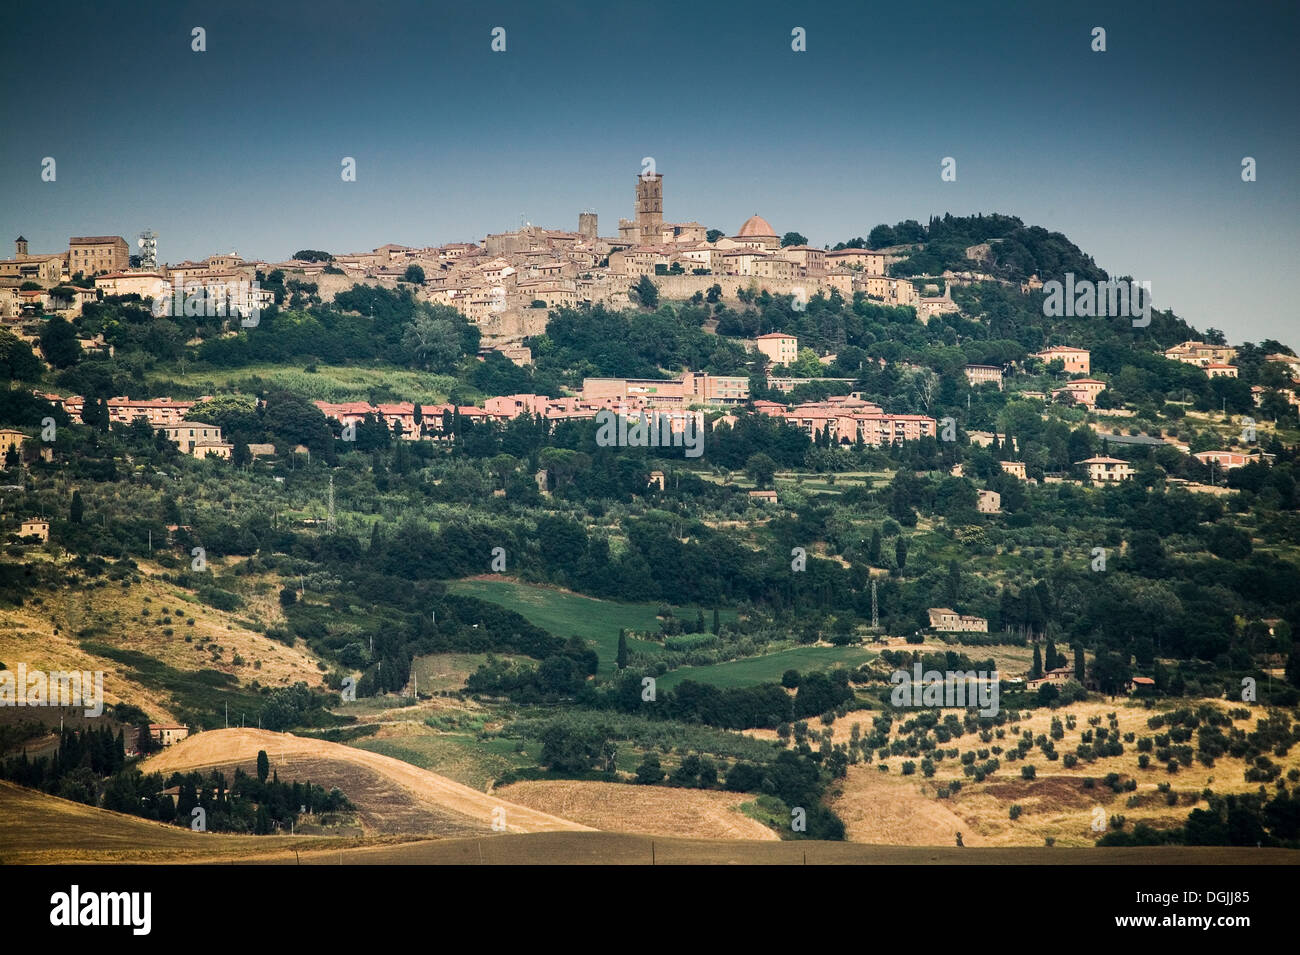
(946, 620)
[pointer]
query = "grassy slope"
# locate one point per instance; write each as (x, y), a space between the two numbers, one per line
(327, 383)
(767, 668)
(564, 613)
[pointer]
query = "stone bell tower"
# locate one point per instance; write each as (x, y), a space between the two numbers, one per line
(649, 208)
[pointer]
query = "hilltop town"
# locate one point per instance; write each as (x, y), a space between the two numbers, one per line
(509, 284)
(506, 282)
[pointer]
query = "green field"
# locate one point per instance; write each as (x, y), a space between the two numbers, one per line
(564, 613)
(448, 671)
(767, 668)
(327, 383)
(465, 758)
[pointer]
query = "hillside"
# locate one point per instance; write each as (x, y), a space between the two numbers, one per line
(391, 796)
(38, 829)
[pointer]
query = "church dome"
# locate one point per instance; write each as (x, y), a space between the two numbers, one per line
(754, 227)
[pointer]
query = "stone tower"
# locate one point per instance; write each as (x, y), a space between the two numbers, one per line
(649, 207)
(587, 225)
(20, 245)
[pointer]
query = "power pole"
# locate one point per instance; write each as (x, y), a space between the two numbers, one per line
(875, 609)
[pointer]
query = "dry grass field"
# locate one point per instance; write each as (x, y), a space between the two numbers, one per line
(890, 808)
(137, 618)
(648, 810)
(40, 829)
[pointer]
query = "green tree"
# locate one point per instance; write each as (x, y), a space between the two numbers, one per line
(713, 235)
(646, 293)
(880, 237)
(761, 469)
(1111, 671)
(900, 551)
(621, 659)
(1036, 670)
(263, 766)
(76, 510)
(293, 420)
(793, 238)
(144, 741)
(650, 771)
(94, 413)
(413, 274)
(1078, 663)
(59, 343)
(570, 747)
(717, 627)
(17, 363)
(432, 340)
(1293, 666)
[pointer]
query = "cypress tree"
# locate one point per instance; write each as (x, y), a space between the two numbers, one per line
(1037, 669)
(621, 659)
(144, 741)
(1078, 664)
(1007, 609)
(716, 624)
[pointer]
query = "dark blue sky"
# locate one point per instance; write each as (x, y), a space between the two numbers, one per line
(1134, 153)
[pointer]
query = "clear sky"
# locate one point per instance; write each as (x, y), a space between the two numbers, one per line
(1134, 153)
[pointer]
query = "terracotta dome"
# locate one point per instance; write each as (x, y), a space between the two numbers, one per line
(755, 226)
